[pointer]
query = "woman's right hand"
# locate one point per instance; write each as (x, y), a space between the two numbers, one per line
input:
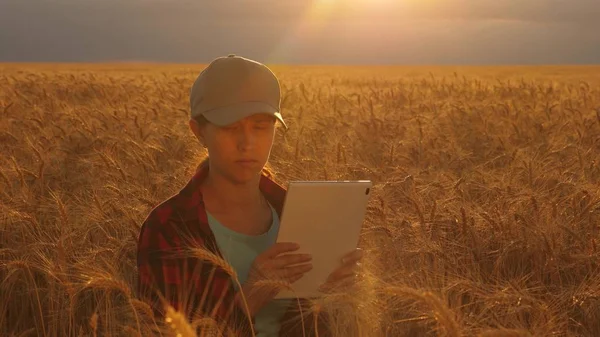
(275, 264)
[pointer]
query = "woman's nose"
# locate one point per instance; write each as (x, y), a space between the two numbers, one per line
(246, 139)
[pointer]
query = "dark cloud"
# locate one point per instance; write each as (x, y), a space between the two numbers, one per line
(452, 31)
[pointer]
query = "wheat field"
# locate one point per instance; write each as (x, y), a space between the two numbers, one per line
(484, 218)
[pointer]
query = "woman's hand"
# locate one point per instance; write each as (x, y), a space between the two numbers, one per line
(273, 265)
(345, 276)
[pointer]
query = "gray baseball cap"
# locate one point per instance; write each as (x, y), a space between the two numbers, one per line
(233, 87)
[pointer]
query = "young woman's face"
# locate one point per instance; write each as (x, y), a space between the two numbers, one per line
(239, 151)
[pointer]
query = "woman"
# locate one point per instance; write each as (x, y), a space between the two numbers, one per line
(230, 208)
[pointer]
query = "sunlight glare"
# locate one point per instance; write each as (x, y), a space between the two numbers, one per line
(363, 2)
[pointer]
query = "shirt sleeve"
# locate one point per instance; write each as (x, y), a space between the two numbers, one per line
(192, 286)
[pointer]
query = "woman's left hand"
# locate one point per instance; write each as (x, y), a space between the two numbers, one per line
(346, 274)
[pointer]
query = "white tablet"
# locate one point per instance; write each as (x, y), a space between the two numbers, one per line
(325, 218)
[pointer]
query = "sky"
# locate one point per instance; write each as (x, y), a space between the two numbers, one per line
(404, 32)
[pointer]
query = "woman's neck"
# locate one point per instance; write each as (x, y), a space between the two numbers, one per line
(230, 194)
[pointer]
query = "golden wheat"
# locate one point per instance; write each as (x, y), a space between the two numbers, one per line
(178, 323)
(484, 214)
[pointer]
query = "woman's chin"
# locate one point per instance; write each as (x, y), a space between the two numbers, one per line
(245, 175)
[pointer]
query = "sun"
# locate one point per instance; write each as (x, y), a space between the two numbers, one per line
(361, 3)
(319, 16)
(374, 2)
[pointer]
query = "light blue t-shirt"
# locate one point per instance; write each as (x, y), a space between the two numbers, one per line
(240, 250)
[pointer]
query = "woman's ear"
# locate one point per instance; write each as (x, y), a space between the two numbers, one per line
(197, 130)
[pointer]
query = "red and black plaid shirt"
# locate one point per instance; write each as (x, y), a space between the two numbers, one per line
(195, 286)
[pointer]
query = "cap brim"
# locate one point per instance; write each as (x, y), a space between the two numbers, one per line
(233, 113)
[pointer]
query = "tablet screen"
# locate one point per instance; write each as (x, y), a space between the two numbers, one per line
(325, 218)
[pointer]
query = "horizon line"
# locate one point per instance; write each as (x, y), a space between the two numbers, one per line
(159, 63)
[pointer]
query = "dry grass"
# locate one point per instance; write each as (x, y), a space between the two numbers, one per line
(484, 218)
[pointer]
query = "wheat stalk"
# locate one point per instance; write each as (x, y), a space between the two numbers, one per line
(206, 255)
(442, 314)
(94, 324)
(281, 284)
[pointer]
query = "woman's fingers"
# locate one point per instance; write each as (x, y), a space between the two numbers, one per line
(284, 261)
(300, 270)
(290, 272)
(295, 278)
(343, 280)
(352, 257)
(342, 273)
(280, 248)
(280, 263)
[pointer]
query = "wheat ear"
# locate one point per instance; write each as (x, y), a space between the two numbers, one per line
(178, 323)
(218, 261)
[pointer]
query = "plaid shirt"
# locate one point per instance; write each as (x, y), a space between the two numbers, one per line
(195, 286)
